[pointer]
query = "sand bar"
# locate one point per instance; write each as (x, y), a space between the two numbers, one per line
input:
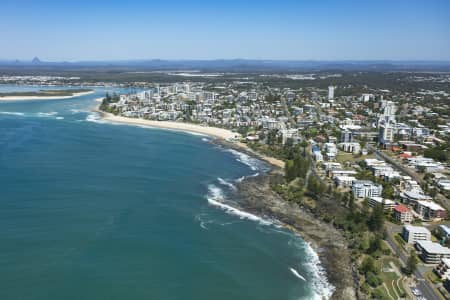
(20, 98)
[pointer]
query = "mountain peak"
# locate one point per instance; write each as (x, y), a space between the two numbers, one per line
(36, 60)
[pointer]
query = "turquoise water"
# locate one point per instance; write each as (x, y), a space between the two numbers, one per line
(91, 210)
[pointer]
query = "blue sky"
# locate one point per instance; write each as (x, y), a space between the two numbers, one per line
(303, 30)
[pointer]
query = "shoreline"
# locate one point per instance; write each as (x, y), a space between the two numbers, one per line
(256, 196)
(25, 98)
(223, 136)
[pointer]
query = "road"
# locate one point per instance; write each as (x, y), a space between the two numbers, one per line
(396, 164)
(423, 285)
(287, 112)
(439, 197)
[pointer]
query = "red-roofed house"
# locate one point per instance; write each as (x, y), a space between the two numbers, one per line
(396, 149)
(405, 155)
(403, 214)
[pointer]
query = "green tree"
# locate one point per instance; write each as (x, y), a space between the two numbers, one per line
(437, 154)
(315, 187)
(375, 244)
(289, 170)
(272, 137)
(373, 280)
(368, 265)
(411, 263)
(351, 203)
(388, 191)
(301, 166)
(304, 144)
(289, 142)
(376, 219)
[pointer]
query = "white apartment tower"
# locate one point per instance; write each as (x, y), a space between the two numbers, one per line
(187, 88)
(386, 122)
(331, 92)
(366, 189)
(386, 132)
(389, 109)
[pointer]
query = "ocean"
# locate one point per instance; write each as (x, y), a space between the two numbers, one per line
(94, 210)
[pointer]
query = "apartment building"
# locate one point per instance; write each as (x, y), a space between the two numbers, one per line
(412, 234)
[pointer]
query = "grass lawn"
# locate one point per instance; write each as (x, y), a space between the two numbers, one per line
(433, 277)
(394, 260)
(398, 239)
(343, 157)
(392, 280)
(382, 291)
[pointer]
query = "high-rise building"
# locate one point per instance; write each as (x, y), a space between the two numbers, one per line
(389, 109)
(386, 122)
(386, 132)
(346, 136)
(187, 88)
(330, 92)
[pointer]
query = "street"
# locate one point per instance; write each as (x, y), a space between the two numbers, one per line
(422, 284)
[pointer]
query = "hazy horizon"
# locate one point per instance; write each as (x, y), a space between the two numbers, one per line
(125, 60)
(200, 30)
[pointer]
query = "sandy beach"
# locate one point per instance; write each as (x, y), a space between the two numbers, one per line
(218, 133)
(20, 98)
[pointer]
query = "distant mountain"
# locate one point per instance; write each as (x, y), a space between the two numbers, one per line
(36, 60)
(236, 65)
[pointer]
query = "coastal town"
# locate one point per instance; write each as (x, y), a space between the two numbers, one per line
(225, 150)
(362, 156)
(384, 153)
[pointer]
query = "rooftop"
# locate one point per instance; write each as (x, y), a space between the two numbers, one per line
(431, 247)
(401, 208)
(418, 229)
(431, 205)
(445, 228)
(381, 200)
(446, 261)
(414, 195)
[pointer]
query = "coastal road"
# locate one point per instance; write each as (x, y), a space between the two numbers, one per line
(396, 164)
(407, 171)
(287, 112)
(423, 285)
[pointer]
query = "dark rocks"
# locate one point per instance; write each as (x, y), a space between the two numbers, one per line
(256, 195)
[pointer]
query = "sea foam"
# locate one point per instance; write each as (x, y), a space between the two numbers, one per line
(202, 220)
(76, 111)
(47, 114)
(227, 183)
(12, 113)
(96, 118)
(319, 281)
(216, 197)
(240, 179)
(246, 159)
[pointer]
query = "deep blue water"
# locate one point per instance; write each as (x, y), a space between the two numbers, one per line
(91, 210)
